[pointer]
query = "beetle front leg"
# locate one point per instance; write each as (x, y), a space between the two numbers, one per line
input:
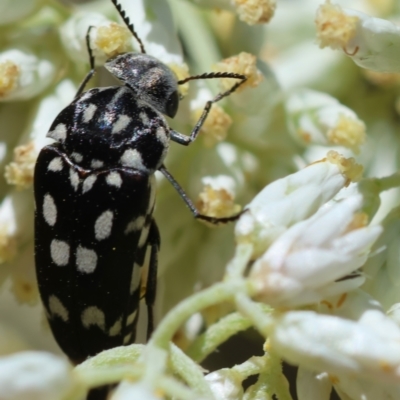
(192, 207)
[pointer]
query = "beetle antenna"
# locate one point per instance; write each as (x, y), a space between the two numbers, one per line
(128, 23)
(213, 75)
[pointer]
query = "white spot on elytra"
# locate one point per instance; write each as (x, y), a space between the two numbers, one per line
(93, 316)
(96, 164)
(135, 225)
(74, 179)
(144, 118)
(49, 210)
(55, 164)
(88, 183)
(135, 279)
(162, 136)
(103, 225)
(57, 308)
(89, 112)
(59, 251)
(77, 157)
(131, 318)
(127, 338)
(86, 95)
(132, 158)
(121, 123)
(86, 260)
(114, 179)
(116, 328)
(143, 236)
(59, 133)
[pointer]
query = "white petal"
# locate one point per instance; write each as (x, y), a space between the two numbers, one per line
(336, 345)
(35, 376)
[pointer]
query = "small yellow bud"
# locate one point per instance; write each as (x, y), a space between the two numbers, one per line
(334, 28)
(181, 71)
(243, 63)
(215, 127)
(20, 171)
(217, 202)
(255, 11)
(9, 76)
(348, 132)
(348, 166)
(113, 39)
(8, 245)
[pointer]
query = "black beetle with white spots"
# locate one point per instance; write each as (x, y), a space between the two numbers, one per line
(95, 192)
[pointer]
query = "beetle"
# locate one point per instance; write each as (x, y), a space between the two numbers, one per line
(94, 194)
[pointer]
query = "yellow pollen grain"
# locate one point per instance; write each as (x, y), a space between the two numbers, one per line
(217, 203)
(182, 72)
(334, 28)
(215, 127)
(347, 166)
(243, 63)
(348, 132)
(8, 245)
(113, 39)
(20, 171)
(255, 12)
(25, 291)
(9, 76)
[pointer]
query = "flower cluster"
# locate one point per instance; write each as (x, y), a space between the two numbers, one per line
(308, 144)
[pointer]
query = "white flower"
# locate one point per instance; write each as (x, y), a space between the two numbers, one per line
(317, 118)
(23, 75)
(292, 199)
(36, 376)
(372, 43)
(304, 263)
(130, 391)
(107, 38)
(225, 384)
(368, 348)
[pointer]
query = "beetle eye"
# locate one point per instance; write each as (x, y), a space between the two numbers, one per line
(172, 104)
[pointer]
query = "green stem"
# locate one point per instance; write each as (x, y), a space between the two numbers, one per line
(237, 266)
(216, 334)
(102, 376)
(256, 313)
(277, 379)
(224, 291)
(113, 357)
(189, 371)
(388, 182)
(253, 366)
(177, 390)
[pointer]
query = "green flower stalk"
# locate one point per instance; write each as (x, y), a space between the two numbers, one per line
(308, 148)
